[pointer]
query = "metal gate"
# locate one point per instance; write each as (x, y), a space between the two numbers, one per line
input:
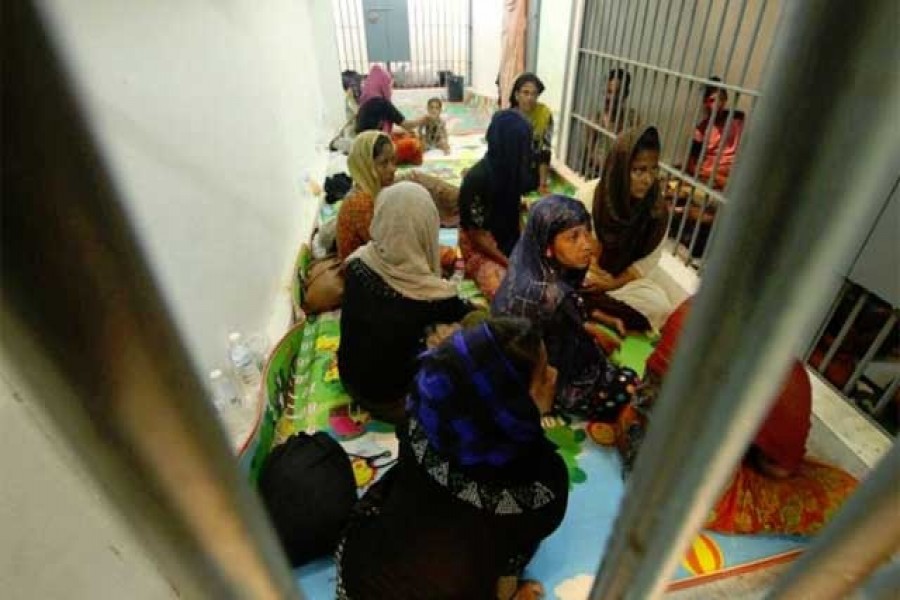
(654, 62)
(439, 39)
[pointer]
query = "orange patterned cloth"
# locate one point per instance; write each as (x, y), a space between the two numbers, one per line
(799, 501)
(485, 272)
(798, 505)
(353, 221)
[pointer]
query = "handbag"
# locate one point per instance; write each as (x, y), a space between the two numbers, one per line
(308, 488)
(324, 287)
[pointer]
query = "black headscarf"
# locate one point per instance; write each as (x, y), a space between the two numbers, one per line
(508, 154)
(629, 230)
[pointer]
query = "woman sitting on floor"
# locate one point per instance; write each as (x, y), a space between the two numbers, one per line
(524, 98)
(630, 219)
(477, 486)
(372, 166)
(545, 273)
(393, 291)
(775, 489)
(490, 200)
(376, 111)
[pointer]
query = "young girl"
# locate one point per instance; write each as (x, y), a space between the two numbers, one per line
(546, 270)
(433, 130)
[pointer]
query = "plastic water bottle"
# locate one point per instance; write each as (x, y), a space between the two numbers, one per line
(225, 395)
(459, 269)
(244, 363)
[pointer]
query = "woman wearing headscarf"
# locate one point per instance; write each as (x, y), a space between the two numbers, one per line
(546, 271)
(630, 218)
(775, 489)
(477, 486)
(376, 111)
(372, 165)
(393, 292)
(490, 200)
(524, 97)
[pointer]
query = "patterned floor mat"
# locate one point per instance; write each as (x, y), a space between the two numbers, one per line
(461, 117)
(312, 394)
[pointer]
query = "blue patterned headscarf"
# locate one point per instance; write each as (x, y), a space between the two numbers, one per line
(473, 403)
(535, 284)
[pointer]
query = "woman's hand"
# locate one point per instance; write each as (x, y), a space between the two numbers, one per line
(598, 280)
(613, 323)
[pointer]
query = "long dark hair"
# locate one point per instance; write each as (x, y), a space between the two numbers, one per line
(520, 81)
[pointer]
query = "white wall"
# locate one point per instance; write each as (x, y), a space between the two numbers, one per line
(487, 29)
(210, 115)
(553, 43)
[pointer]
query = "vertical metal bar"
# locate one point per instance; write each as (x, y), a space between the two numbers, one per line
(845, 286)
(106, 366)
(864, 534)
(659, 49)
(863, 364)
(845, 328)
(671, 135)
(358, 37)
(886, 397)
(783, 242)
(639, 56)
(470, 43)
(562, 141)
(590, 39)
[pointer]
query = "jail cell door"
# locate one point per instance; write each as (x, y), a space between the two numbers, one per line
(387, 30)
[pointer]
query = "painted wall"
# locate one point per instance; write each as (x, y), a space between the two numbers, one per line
(210, 117)
(487, 29)
(553, 44)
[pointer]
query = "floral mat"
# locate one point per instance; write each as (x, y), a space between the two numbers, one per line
(305, 392)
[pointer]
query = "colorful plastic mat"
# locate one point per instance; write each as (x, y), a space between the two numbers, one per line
(305, 394)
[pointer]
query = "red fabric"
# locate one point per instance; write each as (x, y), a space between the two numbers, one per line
(408, 149)
(782, 436)
(665, 348)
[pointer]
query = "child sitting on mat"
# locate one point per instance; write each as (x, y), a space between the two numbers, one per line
(433, 130)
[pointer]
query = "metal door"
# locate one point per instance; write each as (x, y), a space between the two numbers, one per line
(387, 30)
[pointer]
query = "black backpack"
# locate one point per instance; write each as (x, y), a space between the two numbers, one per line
(308, 488)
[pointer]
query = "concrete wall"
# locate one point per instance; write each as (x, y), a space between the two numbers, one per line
(210, 117)
(553, 44)
(487, 28)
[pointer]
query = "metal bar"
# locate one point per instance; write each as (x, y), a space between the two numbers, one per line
(106, 366)
(870, 353)
(783, 242)
(644, 87)
(591, 35)
(562, 142)
(864, 534)
(845, 328)
(359, 51)
(669, 122)
(884, 584)
(469, 48)
(685, 76)
(845, 286)
(659, 50)
(887, 396)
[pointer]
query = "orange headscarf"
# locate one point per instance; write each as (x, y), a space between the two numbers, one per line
(782, 436)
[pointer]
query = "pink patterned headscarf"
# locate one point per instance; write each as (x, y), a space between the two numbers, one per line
(378, 84)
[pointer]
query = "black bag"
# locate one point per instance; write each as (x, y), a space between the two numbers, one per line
(308, 489)
(336, 187)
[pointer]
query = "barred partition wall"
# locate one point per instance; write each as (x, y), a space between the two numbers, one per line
(439, 40)
(667, 50)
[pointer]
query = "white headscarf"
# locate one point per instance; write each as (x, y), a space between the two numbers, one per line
(404, 249)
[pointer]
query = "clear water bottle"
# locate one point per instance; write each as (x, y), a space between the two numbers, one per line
(223, 390)
(244, 364)
(459, 269)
